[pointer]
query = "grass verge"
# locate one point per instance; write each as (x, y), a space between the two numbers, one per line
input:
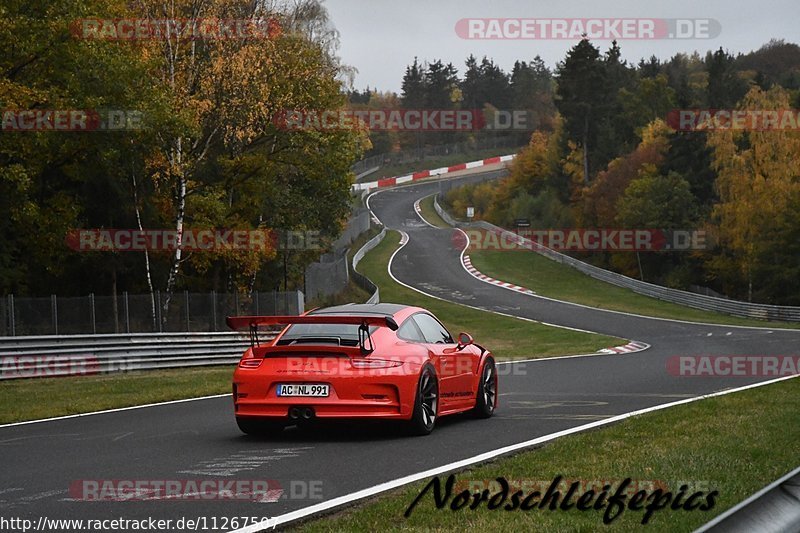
(507, 337)
(429, 212)
(734, 444)
(31, 399)
(551, 279)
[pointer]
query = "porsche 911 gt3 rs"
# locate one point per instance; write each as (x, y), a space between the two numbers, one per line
(360, 361)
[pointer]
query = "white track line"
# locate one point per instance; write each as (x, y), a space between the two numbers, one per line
(404, 240)
(480, 276)
(418, 210)
(483, 457)
(719, 325)
(65, 417)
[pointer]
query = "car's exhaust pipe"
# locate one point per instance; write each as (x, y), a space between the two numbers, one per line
(294, 413)
(308, 413)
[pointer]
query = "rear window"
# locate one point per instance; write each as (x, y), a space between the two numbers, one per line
(345, 334)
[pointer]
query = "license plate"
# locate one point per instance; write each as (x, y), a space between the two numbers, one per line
(304, 389)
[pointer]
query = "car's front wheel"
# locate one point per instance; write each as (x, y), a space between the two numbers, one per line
(426, 403)
(259, 427)
(487, 391)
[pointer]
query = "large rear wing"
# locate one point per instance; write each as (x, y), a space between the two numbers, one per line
(244, 323)
(252, 323)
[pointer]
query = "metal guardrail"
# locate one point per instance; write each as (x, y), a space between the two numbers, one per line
(66, 355)
(689, 299)
(48, 356)
(363, 281)
(773, 509)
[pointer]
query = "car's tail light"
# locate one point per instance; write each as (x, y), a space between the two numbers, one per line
(250, 363)
(374, 363)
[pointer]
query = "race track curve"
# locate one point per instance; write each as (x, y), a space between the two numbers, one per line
(199, 439)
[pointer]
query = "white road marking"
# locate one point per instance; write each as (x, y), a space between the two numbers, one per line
(242, 461)
(480, 458)
(418, 210)
(677, 320)
(66, 417)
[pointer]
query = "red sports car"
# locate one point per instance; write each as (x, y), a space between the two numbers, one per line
(364, 361)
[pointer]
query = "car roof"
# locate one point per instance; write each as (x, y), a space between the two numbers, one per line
(381, 309)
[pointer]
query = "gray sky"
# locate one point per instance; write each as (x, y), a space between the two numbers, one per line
(381, 37)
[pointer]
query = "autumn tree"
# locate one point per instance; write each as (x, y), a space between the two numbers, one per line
(758, 184)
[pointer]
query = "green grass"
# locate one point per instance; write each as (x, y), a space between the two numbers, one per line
(429, 212)
(31, 399)
(551, 279)
(507, 337)
(735, 444)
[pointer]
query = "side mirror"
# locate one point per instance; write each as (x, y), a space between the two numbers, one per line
(464, 339)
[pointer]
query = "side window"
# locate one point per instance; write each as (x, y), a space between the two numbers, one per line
(432, 330)
(409, 331)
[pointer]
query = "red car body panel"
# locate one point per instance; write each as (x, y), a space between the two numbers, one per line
(381, 384)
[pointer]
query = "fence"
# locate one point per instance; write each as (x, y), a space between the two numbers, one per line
(331, 273)
(133, 313)
(698, 301)
(426, 152)
(361, 280)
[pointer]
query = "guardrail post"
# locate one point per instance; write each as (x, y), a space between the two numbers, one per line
(94, 318)
(213, 310)
(127, 314)
(54, 312)
(158, 311)
(186, 300)
(11, 313)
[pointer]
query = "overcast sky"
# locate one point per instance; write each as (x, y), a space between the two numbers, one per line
(381, 37)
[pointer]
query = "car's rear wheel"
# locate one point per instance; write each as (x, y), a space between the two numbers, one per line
(259, 427)
(426, 404)
(487, 391)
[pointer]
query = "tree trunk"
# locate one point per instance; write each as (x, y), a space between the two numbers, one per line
(177, 255)
(148, 274)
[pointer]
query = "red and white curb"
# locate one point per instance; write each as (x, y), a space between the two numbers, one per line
(398, 180)
(631, 347)
(475, 273)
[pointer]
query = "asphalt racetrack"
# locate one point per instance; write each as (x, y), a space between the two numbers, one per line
(200, 440)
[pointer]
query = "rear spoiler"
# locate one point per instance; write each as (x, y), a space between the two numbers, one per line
(244, 323)
(252, 323)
